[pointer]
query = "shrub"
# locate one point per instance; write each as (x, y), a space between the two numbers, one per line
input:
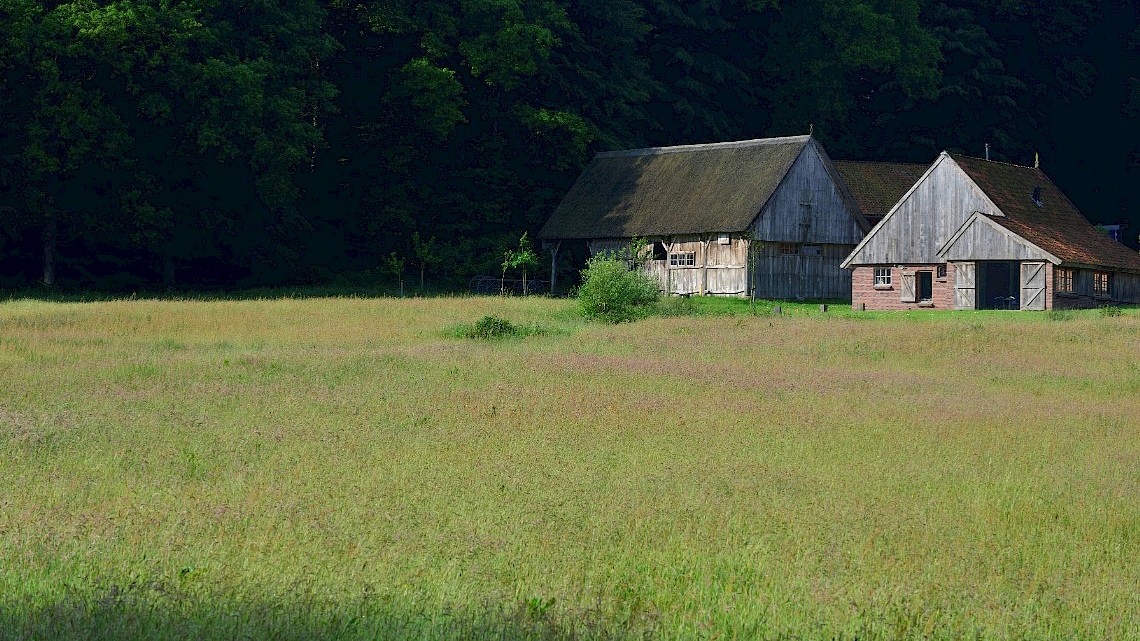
(613, 293)
(1110, 311)
(490, 327)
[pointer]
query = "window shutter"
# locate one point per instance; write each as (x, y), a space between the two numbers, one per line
(908, 288)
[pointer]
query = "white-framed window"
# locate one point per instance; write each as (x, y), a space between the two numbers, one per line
(682, 259)
(1064, 279)
(1101, 283)
(882, 277)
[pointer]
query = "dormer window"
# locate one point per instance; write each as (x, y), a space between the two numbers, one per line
(1037, 197)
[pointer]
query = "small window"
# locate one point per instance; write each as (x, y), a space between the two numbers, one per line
(682, 259)
(659, 251)
(1037, 197)
(882, 277)
(723, 239)
(789, 249)
(812, 250)
(940, 272)
(1065, 281)
(1100, 283)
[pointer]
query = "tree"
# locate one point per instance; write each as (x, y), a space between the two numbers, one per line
(427, 253)
(394, 263)
(522, 258)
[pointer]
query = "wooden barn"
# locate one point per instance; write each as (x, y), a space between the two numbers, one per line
(771, 215)
(977, 234)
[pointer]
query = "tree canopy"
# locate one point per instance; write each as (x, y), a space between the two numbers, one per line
(217, 143)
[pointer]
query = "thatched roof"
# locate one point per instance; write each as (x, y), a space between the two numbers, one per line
(877, 186)
(1055, 225)
(690, 189)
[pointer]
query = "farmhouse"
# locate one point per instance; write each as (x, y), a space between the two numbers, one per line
(976, 234)
(770, 215)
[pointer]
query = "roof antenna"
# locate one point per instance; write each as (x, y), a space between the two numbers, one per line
(987, 151)
(1036, 160)
(811, 129)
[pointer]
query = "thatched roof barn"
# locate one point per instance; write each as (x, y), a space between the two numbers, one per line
(770, 215)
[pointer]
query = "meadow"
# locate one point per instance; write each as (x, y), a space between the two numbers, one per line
(354, 469)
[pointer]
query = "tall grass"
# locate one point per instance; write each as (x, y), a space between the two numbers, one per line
(343, 468)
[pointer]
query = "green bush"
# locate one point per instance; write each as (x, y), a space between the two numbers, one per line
(613, 293)
(490, 327)
(1110, 311)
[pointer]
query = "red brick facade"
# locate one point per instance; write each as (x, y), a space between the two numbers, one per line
(864, 291)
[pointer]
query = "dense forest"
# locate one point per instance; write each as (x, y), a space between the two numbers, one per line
(234, 143)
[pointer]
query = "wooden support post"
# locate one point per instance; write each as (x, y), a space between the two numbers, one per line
(705, 265)
(554, 266)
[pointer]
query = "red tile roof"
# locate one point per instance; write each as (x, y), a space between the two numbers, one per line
(1055, 225)
(877, 186)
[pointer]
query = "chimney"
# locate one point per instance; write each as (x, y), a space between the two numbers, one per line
(987, 151)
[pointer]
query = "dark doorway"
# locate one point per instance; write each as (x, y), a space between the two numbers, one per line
(999, 285)
(925, 284)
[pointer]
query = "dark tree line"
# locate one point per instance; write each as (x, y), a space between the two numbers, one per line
(217, 143)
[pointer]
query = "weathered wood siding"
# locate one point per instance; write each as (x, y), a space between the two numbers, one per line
(1124, 289)
(719, 269)
(925, 219)
(802, 276)
(982, 240)
(807, 208)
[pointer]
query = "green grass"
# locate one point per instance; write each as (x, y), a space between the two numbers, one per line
(348, 468)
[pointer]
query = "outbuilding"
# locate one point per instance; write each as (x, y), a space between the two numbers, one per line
(769, 215)
(979, 234)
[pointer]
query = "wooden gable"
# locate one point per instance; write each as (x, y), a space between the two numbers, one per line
(926, 217)
(811, 205)
(980, 238)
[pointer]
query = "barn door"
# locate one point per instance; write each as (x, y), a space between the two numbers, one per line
(908, 288)
(1033, 286)
(964, 287)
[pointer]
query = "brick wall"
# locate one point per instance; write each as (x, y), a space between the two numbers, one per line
(863, 290)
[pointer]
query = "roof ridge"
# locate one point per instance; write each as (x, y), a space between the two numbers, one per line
(882, 162)
(755, 142)
(996, 162)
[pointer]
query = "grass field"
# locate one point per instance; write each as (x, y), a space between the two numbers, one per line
(347, 468)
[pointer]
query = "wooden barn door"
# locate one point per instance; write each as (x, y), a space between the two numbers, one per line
(1033, 286)
(964, 287)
